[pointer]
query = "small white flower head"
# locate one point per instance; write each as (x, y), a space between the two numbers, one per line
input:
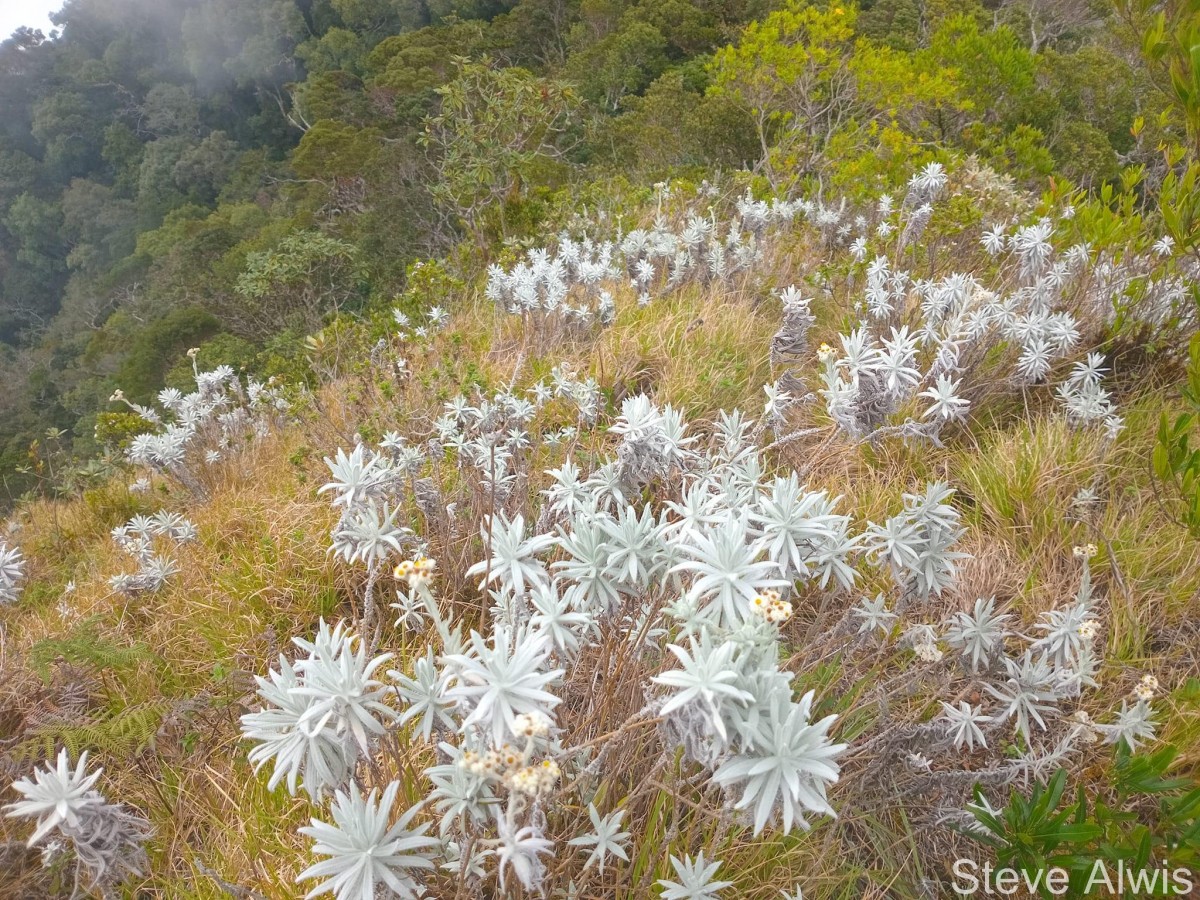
(525, 781)
(533, 780)
(927, 651)
(1088, 629)
(417, 572)
(771, 607)
(1147, 688)
(535, 724)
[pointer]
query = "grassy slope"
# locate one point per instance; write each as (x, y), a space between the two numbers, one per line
(259, 574)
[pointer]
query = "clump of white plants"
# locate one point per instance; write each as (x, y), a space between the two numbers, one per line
(570, 287)
(636, 617)
(137, 539)
(695, 589)
(608, 614)
(76, 825)
(219, 419)
(925, 348)
(678, 557)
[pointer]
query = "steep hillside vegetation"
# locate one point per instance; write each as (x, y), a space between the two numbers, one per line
(229, 174)
(600, 450)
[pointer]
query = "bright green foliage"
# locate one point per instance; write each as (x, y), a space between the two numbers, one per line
(499, 132)
(792, 73)
(155, 349)
(678, 122)
(998, 116)
(115, 429)
(220, 350)
(296, 282)
(99, 225)
(1179, 197)
(404, 71)
(1171, 42)
(622, 63)
(1176, 460)
(331, 150)
(821, 99)
(338, 50)
(1036, 833)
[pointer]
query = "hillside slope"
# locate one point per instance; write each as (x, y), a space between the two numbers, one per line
(934, 503)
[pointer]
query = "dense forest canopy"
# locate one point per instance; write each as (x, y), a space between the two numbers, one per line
(229, 174)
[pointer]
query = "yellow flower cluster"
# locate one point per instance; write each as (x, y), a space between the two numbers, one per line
(509, 766)
(418, 572)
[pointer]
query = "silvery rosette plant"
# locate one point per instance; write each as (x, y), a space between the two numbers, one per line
(12, 573)
(75, 825)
